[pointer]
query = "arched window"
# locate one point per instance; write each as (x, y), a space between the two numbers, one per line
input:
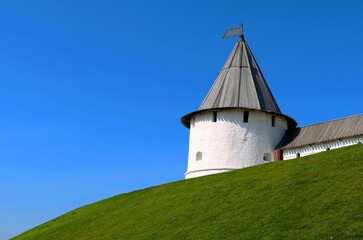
(267, 157)
(198, 156)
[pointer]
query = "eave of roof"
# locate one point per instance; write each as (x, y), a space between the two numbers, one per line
(185, 120)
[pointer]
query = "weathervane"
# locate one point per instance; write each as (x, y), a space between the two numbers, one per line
(232, 32)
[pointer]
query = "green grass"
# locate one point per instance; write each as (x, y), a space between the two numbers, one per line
(315, 197)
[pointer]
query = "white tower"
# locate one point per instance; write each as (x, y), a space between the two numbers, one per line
(239, 122)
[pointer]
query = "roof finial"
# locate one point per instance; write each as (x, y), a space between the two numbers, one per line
(232, 32)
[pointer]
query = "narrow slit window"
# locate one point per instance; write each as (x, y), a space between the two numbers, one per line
(214, 117)
(245, 116)
(273, 119)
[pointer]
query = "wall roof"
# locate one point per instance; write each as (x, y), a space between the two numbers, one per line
(322, 132)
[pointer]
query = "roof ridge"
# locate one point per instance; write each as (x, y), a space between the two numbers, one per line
(250, 58)
(333, 120)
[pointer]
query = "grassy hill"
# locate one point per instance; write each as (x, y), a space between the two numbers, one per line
(315, 197)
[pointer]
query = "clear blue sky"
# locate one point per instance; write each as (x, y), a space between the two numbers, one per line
(91, 92)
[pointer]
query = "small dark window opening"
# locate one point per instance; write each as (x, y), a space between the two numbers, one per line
(359, 142)
(298, 155)
(328, 149)
(214, 117)
(273, 121)
(245, 116)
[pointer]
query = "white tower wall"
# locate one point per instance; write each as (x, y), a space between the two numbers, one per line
(230, 143)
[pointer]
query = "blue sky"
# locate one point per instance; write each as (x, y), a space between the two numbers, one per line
(91, 92)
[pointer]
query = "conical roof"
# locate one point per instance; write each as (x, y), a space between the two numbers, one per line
(239, 84)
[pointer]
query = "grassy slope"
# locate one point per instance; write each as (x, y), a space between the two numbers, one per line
(315, 197)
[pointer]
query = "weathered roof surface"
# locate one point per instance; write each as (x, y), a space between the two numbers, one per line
(240, 84)
(323, 132)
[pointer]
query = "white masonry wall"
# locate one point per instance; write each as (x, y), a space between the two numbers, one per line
(229, 143)
(320, 147)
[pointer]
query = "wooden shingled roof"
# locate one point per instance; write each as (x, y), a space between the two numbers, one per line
(322, 132)
(240, 84)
